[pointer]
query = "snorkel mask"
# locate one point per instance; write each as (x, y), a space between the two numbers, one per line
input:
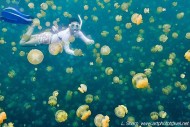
(75, 25)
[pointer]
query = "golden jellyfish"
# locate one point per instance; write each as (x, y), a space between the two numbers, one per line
(118, 18)
(128, 25)
(162, 114)
(116, 5)
(148, 72)
(11, 74)
(89, 98)
(69, 70)
(157, 48)
(139, 39)
(83, 112)
(136, 18)
(140, 81)
(105, 50)
(125, 6)
(47, 24)
(31, 5)
(1, 97)
(78, 52)
(151, 19)
(180, 15)
(187, 35)
(94, 18)
(174, 4)
(146, 10)
(109, 71)
(121, 111)
(120, 60)
(175, 35)
(163, 38)
(82, 88)
(167, 90)
(85, 17)
(61, 116)
(172, 55)
(160, 107)
(177, 84)
(97, 45)
(101, 121)
(131, 119)
(183, 87)
(106, 1)
(99, 60)
(116, 79)
(118, 37)
(53, 7)
(44, 6)
(104, 33)
(69, 95)
(160, 9)
(10, 124)
(36, 21)
(182, 75)
(55, 48)
(169, 62)
(4, 30)
(2, 41)
(52, 100)
(3, 116)
(49, 68)
(154, 115)
(35, 56)
(86, 7)
(55, 93)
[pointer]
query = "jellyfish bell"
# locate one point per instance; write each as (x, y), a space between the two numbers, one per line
(83, 112)
(187, 55)
(61, 116)
(55, 48)
(136, 18)
(35, 56)
(154, 115)
(120, 111)
(101, 121)
(82, 88)
(3, 116)
(140, 81)
(105, 50)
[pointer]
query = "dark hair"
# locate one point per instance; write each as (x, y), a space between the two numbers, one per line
(74, 20)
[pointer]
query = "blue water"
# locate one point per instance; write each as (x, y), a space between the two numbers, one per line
(19, 90)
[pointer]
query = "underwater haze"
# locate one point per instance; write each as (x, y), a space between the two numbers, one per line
(137, 72)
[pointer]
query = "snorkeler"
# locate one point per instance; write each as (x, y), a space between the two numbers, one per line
(62, 37)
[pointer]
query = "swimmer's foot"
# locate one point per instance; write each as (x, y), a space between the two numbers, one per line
(26, 37)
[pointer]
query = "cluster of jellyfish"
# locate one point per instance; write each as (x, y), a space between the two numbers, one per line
(139, 81)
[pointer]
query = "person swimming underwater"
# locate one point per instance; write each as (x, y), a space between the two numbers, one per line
(62, 37)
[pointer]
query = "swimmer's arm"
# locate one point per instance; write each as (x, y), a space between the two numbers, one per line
(85, 39)
(68, 50)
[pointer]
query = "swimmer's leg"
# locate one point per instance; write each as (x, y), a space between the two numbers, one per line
(28, 38)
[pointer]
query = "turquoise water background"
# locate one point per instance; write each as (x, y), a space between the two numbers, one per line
(21, 91)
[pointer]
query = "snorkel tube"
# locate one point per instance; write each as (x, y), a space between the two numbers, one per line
(80, 21)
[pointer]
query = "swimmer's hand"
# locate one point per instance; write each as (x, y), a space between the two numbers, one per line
(78, 52)
(90, 42)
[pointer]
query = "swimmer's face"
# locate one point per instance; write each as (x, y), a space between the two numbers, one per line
(74, 27)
